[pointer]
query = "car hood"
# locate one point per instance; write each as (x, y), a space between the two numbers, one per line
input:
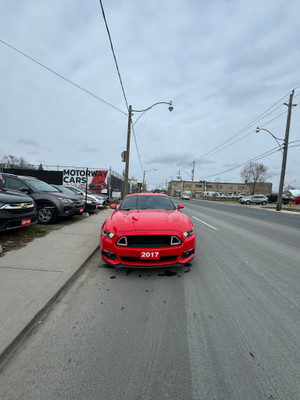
(13, 196)
(140, 220)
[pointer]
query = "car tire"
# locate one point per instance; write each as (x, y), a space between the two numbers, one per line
(248, 202)
(46, 215)
(263, 203)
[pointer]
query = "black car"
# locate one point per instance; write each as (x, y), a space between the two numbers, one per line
(78, 202)
(273, 197)
(51, 203)
(17, 210)
(89, 203)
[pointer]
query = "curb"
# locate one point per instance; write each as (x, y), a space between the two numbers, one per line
(9, 351)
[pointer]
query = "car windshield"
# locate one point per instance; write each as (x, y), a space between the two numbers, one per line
(147, 203)
(64, 190)
(40, 185)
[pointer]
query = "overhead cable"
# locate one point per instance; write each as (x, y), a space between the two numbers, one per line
(113, 52)
(61, 76)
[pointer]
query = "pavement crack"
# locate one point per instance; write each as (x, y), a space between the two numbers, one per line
(32, 269)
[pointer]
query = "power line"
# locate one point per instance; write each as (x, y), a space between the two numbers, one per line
(220, 147)
(61, 76)
(136, 145)
(263, 155)
(113, 52)
(120, 79)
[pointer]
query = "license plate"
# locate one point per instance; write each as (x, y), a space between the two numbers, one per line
(26, 221)
(150, 255)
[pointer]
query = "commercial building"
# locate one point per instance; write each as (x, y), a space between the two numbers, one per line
(175, 188)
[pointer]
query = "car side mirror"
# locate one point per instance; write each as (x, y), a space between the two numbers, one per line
(180, 206)
(113, 206)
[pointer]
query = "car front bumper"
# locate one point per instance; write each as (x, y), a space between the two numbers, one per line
(122, 256)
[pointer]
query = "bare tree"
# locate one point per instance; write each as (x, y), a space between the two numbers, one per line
(254, 173)
(11, 161)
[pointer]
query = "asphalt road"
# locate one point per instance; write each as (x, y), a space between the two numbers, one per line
(226, 328)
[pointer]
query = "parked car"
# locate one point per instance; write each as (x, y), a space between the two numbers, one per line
(296, 199)
(98, 198)
(17, 210)
(147, 230)
(89, 203)
(255, 199)
(51, 204)
(273, 197)
(78, 202)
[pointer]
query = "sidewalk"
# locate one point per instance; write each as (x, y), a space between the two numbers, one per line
(32, 277)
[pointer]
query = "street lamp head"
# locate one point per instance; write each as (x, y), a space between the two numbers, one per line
(257, 130)
(171, 106)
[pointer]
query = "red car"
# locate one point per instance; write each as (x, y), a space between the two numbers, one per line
(147, 230)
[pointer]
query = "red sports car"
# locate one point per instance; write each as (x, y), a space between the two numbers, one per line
(147, 230)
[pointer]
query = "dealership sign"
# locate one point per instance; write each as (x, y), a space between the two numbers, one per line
(94, 179)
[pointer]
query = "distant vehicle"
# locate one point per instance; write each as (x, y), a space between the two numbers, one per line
(296, 199)
(211, 194)
(255, 199)
(147, 230)
(186, 195)
(51, 203)
(273, 197)
(116, 194)
(17, 210)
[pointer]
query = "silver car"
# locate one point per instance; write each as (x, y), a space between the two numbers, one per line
(255, 199)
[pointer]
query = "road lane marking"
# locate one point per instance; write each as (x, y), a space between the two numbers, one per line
(202, 222)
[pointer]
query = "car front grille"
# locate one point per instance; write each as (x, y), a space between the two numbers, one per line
(19, 208)
(149, 241)
(146, 261)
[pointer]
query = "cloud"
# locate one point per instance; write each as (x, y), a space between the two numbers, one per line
(28, 142)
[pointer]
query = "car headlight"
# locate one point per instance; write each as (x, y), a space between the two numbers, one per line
(107, 234)
(188, 233)
(2, 205)
(65, 200)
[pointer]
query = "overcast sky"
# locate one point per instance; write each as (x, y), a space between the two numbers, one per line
(227, 65)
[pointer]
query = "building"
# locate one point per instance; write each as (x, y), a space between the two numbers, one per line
(175, 188)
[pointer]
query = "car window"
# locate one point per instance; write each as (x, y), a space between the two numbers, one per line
(147, 202)
(15, 184)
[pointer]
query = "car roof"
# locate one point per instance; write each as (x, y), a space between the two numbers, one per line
(21, 176)
(147, 194)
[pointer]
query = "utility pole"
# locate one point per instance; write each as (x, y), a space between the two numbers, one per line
(125, 190)
(285, 150)
(193, 170)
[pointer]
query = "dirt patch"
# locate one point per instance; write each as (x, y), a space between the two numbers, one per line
(17, 238)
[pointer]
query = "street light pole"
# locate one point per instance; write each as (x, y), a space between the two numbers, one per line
(285, 150)
(130, 110)
(144, 176)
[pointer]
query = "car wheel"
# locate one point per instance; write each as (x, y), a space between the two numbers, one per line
(263, 203)
(46, 215)
(247, 202)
